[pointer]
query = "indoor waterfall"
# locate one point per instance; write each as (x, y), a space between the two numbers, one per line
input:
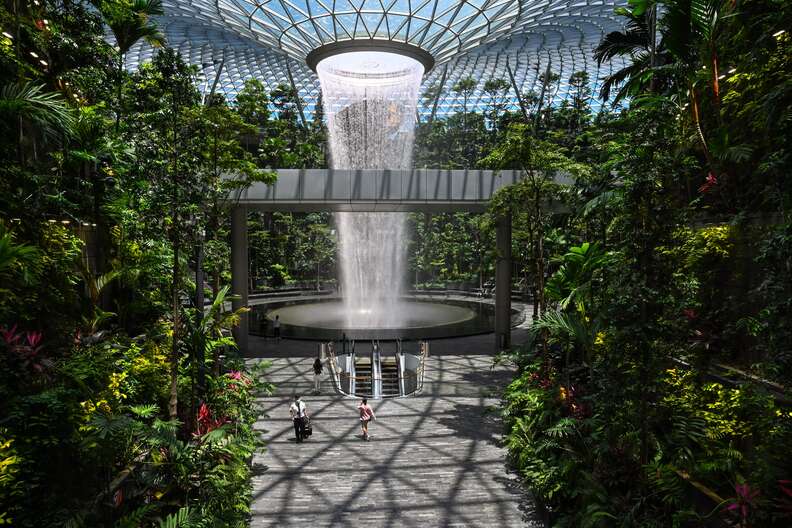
(370, 102)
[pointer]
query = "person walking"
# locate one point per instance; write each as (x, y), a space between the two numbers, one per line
(366, 415)
(317, 368)
(276, 328)
(299, 414)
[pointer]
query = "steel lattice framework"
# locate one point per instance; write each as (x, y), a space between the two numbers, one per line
(236, 40)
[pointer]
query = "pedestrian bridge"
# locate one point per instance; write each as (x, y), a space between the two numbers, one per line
(422, 190)
(427, 190)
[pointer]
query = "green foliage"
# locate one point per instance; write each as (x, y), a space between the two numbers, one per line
(97, 229)
(581, 465)
(130, 21)
(11, 487)
(671, 243)
(292, 247)
(184, 518)
(573, 282)
(16, 260)
(44, 113)
(617, 418)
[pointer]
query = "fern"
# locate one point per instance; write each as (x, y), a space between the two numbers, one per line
(563, 429)
(144, 411)
(135, 518)
(184, 518)
(219, 436)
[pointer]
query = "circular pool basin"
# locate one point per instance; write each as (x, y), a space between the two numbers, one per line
(327, 319)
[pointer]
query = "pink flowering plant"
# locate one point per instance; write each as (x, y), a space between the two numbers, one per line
(784, 502)
(744, 503)
(231, 398)
(26, 349)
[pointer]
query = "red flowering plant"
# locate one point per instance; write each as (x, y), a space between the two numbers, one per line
(26, 348)
(709, 183)
(702, 335)
(744, 503)
(230, 399)
(206, 422)
(784, 503)
(237, 380)
(543, 378)
(690, 314)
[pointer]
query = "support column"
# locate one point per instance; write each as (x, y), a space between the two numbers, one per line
(239, 273)
(503, 268)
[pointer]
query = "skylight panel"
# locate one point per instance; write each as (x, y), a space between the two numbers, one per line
(372, 5)
(344, 6)
(473, 37)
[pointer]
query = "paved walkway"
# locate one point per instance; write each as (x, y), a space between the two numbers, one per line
(433, 461)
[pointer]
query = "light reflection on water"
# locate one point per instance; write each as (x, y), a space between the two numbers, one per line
(334, 315)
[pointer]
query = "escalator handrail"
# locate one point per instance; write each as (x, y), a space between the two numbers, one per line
(376, 373)
(331, 359)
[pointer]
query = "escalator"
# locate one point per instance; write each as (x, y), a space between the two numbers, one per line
(389, 370)
(377, 373)
(364, 375)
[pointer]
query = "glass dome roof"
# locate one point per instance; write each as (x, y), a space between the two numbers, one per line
(441, 27)
(235, 40)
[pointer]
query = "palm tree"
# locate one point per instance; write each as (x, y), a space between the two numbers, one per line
(572, 283)
(691, 28)
(29, 107)
(635, 42)
(16, 257)
(574, 332)
(130, 21)
(673, 66)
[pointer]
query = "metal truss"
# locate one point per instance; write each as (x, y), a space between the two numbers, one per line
(236, 40)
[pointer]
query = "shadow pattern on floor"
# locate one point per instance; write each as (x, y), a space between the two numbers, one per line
(434, 460)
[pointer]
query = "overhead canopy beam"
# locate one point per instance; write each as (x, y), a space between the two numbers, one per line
(439, 93)
(216, 81)
(296, 95)
(517, 91)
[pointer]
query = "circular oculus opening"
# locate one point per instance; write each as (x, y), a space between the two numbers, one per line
(372, 66)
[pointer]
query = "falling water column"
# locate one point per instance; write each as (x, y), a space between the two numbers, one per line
(370, 101)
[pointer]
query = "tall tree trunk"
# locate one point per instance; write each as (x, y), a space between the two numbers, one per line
(532, 245)
(715, 79)
(173, 403)
(538, 217)
(539, 103)
(120, 90)
(694, 103)
(644, 261)
(215, 283)
(652, 14)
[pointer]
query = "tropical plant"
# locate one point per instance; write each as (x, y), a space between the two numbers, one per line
(15, 258)
(497, 91)
(572, 283)
(130, 21)
(635, 42)
(95, 285)
(29, 111)
(539, 162)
